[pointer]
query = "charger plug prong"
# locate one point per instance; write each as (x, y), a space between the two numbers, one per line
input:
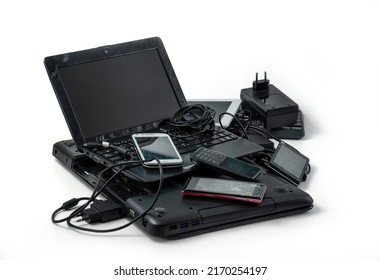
(260, 88)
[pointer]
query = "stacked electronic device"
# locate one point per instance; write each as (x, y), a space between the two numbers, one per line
(273, 110)
(112, 95)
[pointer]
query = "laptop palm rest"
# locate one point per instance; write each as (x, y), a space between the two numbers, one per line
(236, 210)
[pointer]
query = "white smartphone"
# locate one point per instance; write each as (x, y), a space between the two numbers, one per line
(157, 145)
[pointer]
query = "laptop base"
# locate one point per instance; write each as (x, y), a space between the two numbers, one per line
(174, 216)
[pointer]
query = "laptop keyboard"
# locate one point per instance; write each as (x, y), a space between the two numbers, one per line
(184, 144)
(114, 156)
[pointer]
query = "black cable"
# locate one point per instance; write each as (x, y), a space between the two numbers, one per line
(262, 158)
(98, 190)
(120, 149)
(195, 118)
(132, 221)
(179, 119)
(264, 133)
(66, 206)
(308, 169)
(73, 202)
(238, 121)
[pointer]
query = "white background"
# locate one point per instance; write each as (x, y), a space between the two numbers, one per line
(323, 54)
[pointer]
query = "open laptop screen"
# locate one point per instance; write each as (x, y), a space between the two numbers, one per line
(120, 92)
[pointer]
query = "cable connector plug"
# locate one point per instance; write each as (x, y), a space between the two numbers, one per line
(70, 203)
(102, 211)
(261, 87)
(123, 151)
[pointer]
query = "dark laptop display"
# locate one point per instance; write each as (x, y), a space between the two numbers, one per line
(109, 93)
(121, 92)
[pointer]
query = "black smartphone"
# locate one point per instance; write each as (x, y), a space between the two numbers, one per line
(225, 189)
(289, 163)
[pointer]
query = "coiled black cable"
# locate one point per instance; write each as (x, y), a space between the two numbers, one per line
(196, 119)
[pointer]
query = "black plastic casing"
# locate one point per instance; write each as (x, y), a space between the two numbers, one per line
(275, 111)
(294, 131)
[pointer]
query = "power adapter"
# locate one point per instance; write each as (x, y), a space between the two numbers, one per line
(273, 107)
(102, 211)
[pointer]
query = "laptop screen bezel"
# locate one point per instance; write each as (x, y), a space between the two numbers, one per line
(54, 63)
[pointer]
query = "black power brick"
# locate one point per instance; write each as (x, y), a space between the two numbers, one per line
(102, 211)
(271, 105)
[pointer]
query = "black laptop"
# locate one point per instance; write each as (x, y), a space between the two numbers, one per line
(111, 92)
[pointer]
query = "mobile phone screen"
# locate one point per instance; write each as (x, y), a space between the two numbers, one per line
(157, 146)
(241, 190)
